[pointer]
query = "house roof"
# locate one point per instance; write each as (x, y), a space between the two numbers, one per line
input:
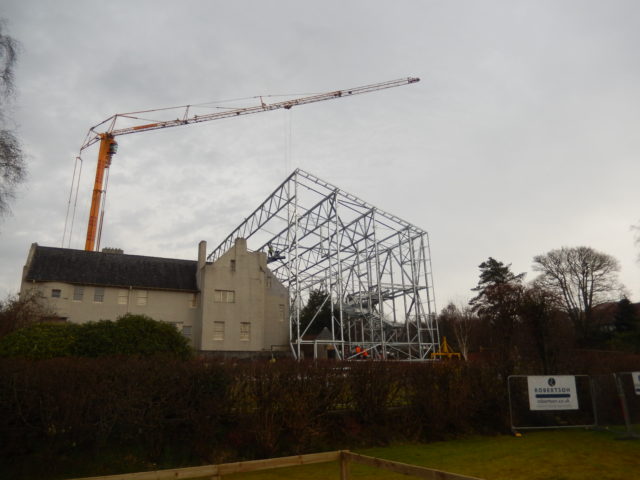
(51, 264)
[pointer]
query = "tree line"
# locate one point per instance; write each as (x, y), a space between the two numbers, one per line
(576, 301)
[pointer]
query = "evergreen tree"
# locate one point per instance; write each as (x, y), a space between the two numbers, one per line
(316, 314)
(626, 317)
(493, 274)
(497, 305)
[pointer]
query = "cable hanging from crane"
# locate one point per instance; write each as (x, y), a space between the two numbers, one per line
(74, 183)
(108, 144)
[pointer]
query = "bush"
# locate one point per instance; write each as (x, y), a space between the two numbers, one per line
(129, 335)
(59, 414)
(45, 340)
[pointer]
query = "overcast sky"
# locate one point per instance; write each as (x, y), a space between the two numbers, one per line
(521, 137)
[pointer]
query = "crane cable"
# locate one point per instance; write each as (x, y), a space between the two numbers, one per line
(102, 208)
(75, 183)
(287, 142)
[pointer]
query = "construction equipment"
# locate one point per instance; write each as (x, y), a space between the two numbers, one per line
(446, 351)
(108, 144)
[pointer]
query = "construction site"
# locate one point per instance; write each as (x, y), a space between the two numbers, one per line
(372, 267)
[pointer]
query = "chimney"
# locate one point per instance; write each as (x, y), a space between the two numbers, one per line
(202, 254)
(241, 243)
(112, 250)
(202, 261)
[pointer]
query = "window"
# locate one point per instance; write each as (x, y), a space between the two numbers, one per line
(98, 294)
(141, 298)
(123, 296)
(224, 296)
(186, 331)
(245, 331)
(232, 265)
(56, 293)
(282, 311)
(78, 294)
(193, 300)
(218, 330)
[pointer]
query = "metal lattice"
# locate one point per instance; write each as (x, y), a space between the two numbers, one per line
(374, 266)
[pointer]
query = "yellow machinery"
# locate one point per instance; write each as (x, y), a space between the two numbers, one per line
(446, 351)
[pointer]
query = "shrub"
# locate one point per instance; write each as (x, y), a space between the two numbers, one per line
(40, 341)
(129, 335)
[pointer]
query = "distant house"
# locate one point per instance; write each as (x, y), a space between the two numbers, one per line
(231, 307)
(615, 316)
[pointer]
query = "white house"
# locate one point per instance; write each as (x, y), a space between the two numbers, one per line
(232, 307)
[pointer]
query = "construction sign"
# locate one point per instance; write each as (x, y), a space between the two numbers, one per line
(552, 393)
(636, 382)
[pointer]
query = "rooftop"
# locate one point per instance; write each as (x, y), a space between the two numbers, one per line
(52, 264)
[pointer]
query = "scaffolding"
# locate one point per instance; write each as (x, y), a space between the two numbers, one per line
(374, 267)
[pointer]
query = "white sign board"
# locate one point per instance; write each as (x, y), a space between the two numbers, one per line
(552, 393)
(636, 382)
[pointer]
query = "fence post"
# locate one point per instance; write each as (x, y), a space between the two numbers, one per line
(592, 389)
(344, 465)
(625, 408)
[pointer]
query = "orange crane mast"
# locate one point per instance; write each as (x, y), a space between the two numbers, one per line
(109, 146)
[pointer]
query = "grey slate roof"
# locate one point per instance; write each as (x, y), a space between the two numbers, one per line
(51, 264)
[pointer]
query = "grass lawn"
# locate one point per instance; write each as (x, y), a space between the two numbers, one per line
(548, 455)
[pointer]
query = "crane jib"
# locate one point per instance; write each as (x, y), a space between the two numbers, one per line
(106, 138)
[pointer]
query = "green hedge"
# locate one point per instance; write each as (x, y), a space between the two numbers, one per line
(128, 335)
(40, 341)
(73, 417)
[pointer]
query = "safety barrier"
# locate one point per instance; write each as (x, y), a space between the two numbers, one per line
(575, 401)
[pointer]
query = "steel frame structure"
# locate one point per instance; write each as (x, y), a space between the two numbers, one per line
(375, 267)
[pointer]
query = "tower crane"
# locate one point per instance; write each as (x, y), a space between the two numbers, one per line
(109, 146)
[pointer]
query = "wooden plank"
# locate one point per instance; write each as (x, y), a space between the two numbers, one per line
(224, 468)
(267, 464)
(406, 469)
(345, 458)
(345, 468)
(171, 474)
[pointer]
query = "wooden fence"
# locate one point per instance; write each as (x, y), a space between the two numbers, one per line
(345, 457)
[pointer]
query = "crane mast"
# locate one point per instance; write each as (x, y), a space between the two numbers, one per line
(109, 146)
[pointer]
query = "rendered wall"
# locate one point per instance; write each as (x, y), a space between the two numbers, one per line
(173, 307)
(258, 297)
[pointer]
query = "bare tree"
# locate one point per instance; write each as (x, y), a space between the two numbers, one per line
(636, 230)
(12, 165)
(460, 322)
(583, 278)
(19, 312)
